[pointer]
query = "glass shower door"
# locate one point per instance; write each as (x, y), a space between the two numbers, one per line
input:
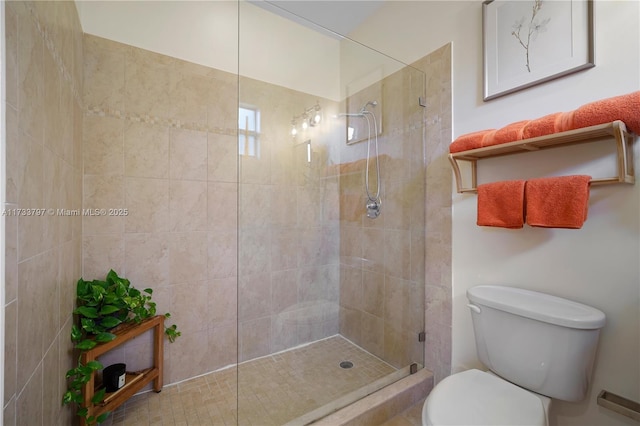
(330, 297)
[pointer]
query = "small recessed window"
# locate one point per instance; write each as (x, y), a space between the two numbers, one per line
(249, 131)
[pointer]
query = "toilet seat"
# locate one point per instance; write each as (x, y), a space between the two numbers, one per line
(474, 397)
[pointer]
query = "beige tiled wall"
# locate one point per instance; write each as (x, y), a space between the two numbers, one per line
(160, 143)
(44, 171)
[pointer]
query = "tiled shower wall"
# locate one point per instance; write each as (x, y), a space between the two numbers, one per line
(160, 142)
(151, 122)
(44, 171)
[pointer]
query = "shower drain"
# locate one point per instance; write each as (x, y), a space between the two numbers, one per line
(346, 364)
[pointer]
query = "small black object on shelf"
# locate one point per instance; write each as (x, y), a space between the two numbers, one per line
(113, 377)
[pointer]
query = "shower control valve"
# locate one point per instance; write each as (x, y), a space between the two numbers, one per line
(373, 208)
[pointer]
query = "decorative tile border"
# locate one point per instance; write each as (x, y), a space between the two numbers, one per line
(157, 121)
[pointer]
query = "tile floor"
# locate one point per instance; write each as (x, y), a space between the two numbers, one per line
(272, 390)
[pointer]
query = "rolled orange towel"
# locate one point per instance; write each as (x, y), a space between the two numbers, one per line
(541, 126)
(557, 202)
(501, 204)
(565, 121)
(468, 141)
(509, 133)
(489, 138)
(623, 107)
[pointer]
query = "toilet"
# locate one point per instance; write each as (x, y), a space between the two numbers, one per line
(537, 347)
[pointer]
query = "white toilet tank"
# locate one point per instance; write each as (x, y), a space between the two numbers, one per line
(540, 342)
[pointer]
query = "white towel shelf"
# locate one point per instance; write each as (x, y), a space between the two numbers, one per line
(615, 131)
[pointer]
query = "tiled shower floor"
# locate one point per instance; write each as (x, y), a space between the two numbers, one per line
(273, 390)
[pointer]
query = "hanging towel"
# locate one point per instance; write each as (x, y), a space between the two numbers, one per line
(501, 204)
(624, 107)
(468, 141)
(557, 202)
(541, 126)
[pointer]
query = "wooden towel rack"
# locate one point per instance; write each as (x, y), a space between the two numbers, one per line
(616, 131)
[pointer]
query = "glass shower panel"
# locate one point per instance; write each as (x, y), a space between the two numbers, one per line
(330, 295)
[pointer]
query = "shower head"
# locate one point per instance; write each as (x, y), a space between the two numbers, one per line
(364, 110)
(372, 103)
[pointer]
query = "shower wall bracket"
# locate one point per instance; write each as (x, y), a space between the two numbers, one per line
(615, 131)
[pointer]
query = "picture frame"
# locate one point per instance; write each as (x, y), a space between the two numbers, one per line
(526, 43)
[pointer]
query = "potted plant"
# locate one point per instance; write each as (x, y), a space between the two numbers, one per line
(101, 307)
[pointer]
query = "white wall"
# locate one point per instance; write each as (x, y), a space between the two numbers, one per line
(597, 265)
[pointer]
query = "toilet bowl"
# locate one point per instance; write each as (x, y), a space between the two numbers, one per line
(475, 397)
(537, 347)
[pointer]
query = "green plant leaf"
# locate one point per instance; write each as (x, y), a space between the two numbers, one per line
(148, 290)
(121, 290)
(81, 287)
(97, 292)
(109, 309)
(102, 417)
(85, 370)
(112, 275)
(110, 322)
(82, 412)
(85, 345)
(98, 396)
(88, 324)
(76, 333)
(89, 312)
(95, 365)
(105, 337)
(77, 397)
(67, 398)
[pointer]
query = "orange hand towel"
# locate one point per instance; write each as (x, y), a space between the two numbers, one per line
(623, 107)
(509, 133)
(541, 126)
(557, 202)
(501, 204)
(468, 141)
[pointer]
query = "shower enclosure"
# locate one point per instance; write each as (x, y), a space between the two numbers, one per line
(247, 147)
(330, 294)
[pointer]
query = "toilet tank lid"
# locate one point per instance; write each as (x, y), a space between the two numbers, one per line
(539, 306)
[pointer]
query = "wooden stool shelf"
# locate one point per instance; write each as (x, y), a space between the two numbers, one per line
(134, 381)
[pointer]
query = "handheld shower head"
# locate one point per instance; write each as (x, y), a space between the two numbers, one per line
(363, 110)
